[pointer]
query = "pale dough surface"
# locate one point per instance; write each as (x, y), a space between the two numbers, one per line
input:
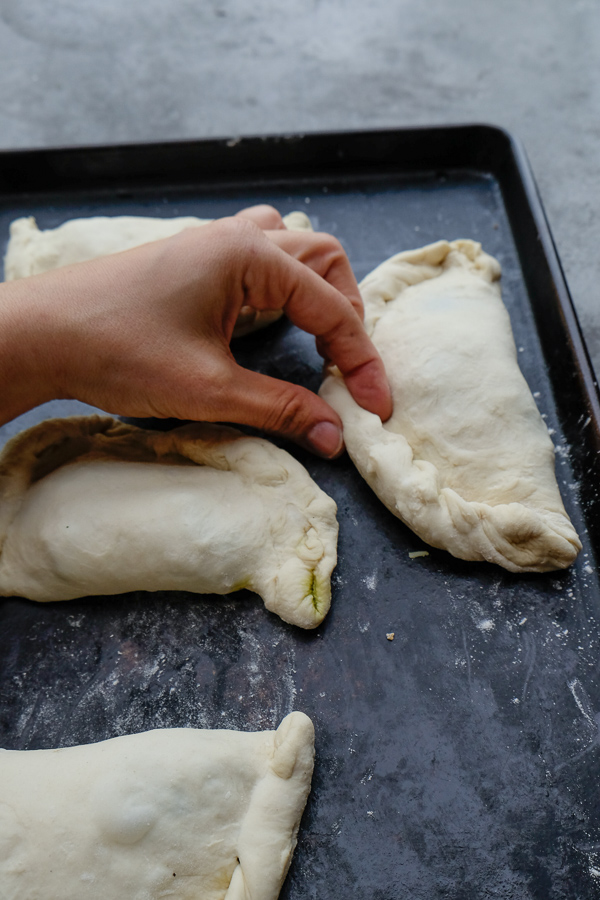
(90, 506)
(31, 251)
(180, 813)
(466, 460)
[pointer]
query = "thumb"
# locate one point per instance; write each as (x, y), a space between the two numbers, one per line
(284, 409)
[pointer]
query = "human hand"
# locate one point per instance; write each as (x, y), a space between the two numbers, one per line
(146, 332)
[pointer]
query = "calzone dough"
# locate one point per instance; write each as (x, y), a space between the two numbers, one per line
(466, 460)
(180, 813)
(32, 252)
(93, 506)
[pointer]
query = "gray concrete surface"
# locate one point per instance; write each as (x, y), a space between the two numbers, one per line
(103, 71)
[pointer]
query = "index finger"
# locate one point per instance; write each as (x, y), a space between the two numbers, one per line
(324, 254)
(341, 338)
(275, 279)
(263, 215)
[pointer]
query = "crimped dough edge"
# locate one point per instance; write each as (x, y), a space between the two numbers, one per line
(515, 536)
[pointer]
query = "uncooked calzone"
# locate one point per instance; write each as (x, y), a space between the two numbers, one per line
(32, 252)
(90, 505)
(465, 460)
(181, 813)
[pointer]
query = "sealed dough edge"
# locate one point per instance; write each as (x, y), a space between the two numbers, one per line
(176, 812)
(90, 505)
(466, 460)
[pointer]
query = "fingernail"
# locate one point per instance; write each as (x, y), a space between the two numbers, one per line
(326, 438)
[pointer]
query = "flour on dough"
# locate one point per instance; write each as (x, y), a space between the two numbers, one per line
(466, 460)
(179, 813)
(93, 506)
(32, 252)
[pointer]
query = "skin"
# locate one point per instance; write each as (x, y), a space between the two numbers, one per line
(146, 332)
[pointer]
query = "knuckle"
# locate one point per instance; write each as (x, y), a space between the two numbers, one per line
(288, 415)
(331, 246)
(237, 240)
(236, 227)
(269, 216)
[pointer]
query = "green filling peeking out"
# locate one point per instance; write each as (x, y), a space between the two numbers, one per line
(313, 590)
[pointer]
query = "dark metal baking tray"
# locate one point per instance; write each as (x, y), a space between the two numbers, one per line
(461, 759)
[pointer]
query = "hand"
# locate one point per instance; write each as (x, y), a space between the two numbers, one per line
(146, 332)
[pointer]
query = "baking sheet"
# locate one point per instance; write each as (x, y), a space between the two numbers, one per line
(459, 760)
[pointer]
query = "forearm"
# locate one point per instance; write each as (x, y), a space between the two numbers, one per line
(26, 341)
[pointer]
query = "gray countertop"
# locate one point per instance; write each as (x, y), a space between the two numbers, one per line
(104, 71)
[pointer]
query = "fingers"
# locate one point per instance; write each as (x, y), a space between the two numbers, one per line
(281, 408)
(275, 279)
(266, 217)
(324, 255)
(261, 274)
(362, 368)
(320, 252)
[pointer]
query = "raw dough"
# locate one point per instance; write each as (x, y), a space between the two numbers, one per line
(93, 506)
(466, 460)
(32, 252)
(180, 813)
